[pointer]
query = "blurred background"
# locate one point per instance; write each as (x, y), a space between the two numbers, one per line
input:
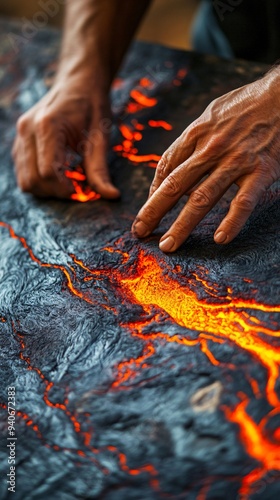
(173, 29)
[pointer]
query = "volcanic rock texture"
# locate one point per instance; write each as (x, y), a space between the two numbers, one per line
(138, 376)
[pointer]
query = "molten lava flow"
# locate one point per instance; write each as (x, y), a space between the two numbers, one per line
(152, 287)
(75, 175)
(132, 133)
(127, 370)
(146, 83)
(160, 123)
(127, 149)
(61, 268)
(49, 385)
(59, 406)
(142, 158)
(257, 445)
(85, 437)
(83, 192)
(142, 99)
(227, 320)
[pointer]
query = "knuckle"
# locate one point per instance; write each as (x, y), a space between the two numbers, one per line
(163, 167)
(192, 132)
(22, 125)
(244, 201)
(171, 186)
(202, 198)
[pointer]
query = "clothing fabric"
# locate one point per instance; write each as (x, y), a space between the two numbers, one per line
(247, 29)
(207, 36)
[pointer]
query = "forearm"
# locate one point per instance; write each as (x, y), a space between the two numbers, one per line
(128, 17)
(96, 36)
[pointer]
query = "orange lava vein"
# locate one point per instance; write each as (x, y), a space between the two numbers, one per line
(160, 123)
(127, 147)
(142, 99)
(142, 158)
(146, 82)
(60, 406)
(152, 287)
(83, 193)
(48, 384)
(134, 472)
(76, 424)
(127, 370)
(66, 273)
(257, 445)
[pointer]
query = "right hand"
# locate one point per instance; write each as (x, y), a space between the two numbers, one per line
(67, 117)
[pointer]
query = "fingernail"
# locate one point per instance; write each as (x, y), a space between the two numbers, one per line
(167, 244)
(220, 237)
(140, 229)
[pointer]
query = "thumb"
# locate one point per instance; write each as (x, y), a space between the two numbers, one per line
(95, 158)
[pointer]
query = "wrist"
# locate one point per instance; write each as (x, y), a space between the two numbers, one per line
(82, 71)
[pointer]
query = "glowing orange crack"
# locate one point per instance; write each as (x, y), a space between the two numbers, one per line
(66, 273)
(127, 370)
(83, 193)
(142, 99)
(257, 445)
(152, 286)
(160, 123)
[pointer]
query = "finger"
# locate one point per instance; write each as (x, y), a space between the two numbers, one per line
(26, 160)
(200, 202)
(175, 155)
(243, 204)
(51, 157)
(95, 158)
(28, 177)
(167, 195)
(50, 144)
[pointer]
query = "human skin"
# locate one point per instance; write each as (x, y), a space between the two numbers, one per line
(236, 140)
(75, 113)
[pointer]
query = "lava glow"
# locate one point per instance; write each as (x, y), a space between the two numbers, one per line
(257, 445)
(83, 192)
(152, 287)
(160, 123)
(152, 284)
(127, 149)
(142, 99)
(132, 133)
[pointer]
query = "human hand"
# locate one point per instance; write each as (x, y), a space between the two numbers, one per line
(69, 116)
(236, 140)
(76, 111)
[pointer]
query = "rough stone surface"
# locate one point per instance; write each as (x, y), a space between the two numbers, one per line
(137, 375)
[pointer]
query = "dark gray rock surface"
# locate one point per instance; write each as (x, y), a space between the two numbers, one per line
(138, 376)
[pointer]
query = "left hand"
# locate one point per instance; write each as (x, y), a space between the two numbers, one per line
(236, 140)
